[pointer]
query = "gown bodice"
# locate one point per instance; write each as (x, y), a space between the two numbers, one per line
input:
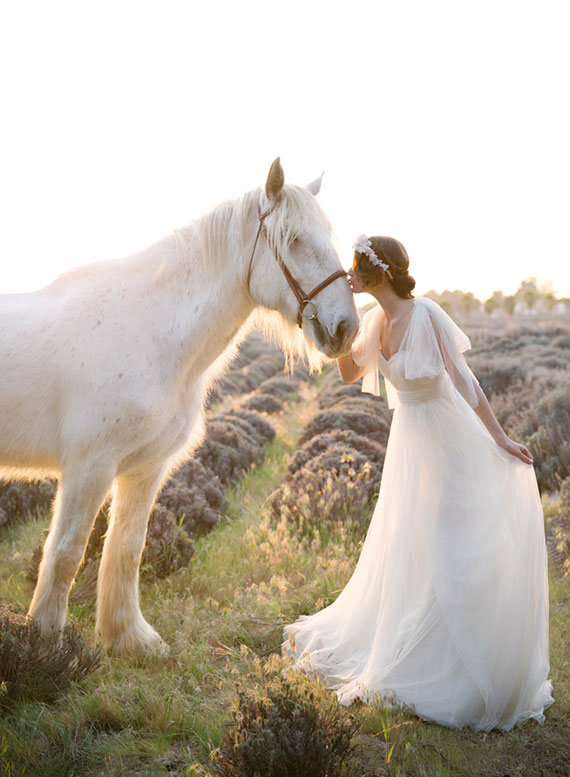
(429, 362)
(411, 391)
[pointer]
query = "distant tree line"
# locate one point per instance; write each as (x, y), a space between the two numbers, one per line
(528, 297)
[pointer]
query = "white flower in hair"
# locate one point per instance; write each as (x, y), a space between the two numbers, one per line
(363, 245)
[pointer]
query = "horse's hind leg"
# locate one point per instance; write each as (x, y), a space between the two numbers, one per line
(80, 493)
(119, 618)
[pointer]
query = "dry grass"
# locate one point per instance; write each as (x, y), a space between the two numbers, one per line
(223, 621)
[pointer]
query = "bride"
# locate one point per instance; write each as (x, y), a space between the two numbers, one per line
(447, 609)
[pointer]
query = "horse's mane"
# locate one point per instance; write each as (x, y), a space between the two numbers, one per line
(232, 226)
(233, 223)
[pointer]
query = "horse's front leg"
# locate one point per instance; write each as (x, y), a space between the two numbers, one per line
(81, 491)
(119, 618)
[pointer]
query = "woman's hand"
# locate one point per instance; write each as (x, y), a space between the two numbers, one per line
(486, 415)
(516, 449)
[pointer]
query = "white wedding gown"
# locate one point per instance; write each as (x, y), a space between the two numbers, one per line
(447, 609)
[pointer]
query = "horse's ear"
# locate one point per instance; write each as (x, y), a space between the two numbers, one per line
(315, 186)
(275, 180)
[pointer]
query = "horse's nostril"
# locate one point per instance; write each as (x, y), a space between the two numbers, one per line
(340, 330)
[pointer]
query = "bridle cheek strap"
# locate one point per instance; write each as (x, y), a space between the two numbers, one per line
(262, 217)
(302, 297)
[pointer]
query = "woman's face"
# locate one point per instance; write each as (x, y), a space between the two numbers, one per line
(355, 282)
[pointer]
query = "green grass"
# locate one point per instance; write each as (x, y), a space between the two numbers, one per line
(222, 619)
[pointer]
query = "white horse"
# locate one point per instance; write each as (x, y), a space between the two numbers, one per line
(104, 372)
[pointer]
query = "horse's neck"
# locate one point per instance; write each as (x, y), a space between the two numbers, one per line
(213, 302)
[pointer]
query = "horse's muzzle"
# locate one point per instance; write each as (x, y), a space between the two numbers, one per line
(339, 341)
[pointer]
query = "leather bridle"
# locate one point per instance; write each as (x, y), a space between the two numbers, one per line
(303, 298)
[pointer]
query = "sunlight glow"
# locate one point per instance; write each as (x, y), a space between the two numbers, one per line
(442, 124)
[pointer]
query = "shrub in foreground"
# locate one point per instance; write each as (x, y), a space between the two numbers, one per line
(288, 728)
(36, 668)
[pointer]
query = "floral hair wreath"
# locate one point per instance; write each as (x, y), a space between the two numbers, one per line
(363, 245)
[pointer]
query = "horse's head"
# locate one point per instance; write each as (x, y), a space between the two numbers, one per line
(294, 260)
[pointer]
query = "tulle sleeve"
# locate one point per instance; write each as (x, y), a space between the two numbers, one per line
(365, 349)
(434, 343)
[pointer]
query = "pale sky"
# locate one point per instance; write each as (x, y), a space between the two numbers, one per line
(442, 123)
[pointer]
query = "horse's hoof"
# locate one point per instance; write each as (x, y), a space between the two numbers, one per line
(161, 650)
(131, 645)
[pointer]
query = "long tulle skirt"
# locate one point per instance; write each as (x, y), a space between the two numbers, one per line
(447, 609)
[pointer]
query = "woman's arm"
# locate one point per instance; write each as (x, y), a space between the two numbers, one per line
(350, 372)
(486, 415)
(467, 385)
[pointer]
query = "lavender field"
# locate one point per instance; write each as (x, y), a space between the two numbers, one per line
(264, 524)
